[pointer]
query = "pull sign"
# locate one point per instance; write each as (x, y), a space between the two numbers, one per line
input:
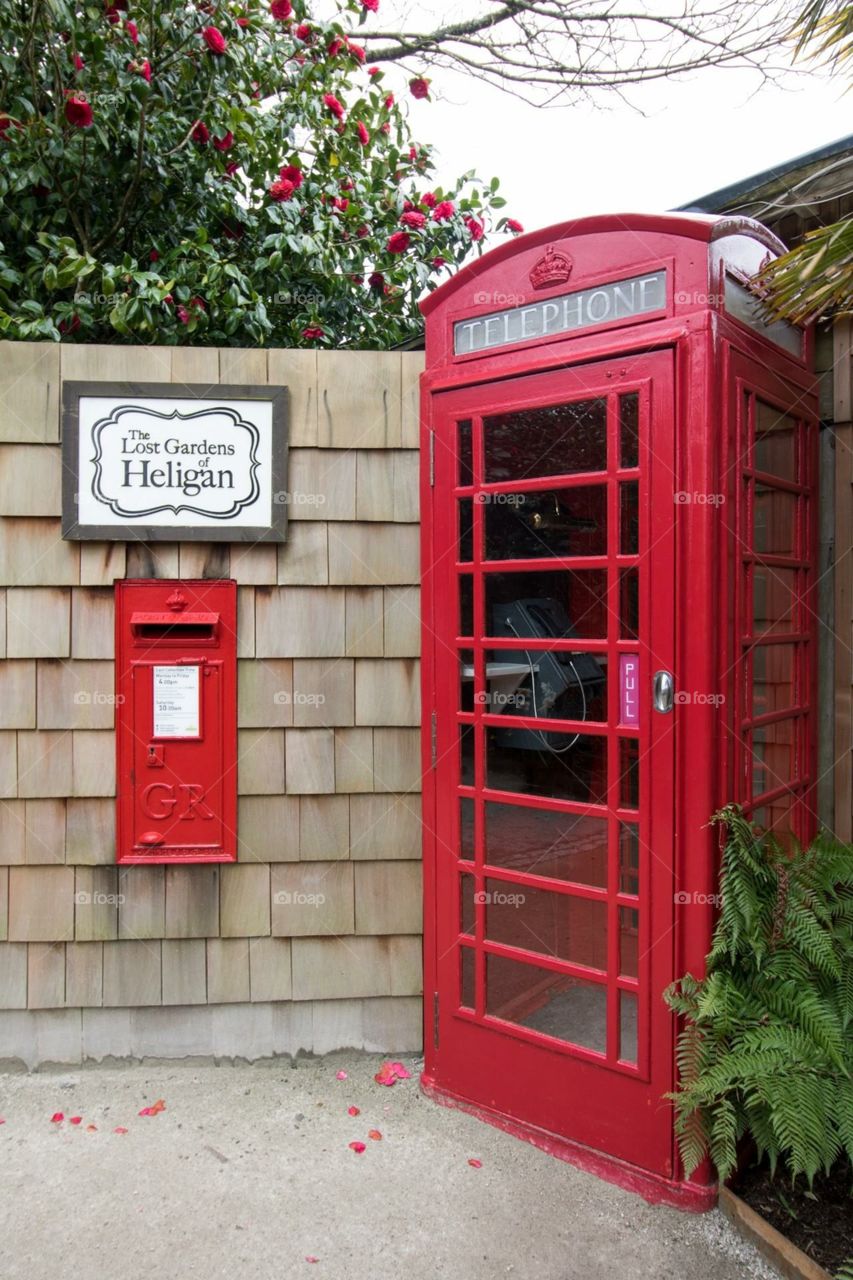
(629, 688)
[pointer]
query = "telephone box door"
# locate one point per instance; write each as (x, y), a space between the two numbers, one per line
(551, 629)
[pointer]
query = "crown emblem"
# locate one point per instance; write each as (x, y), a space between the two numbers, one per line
(177, 601)
(552, 268)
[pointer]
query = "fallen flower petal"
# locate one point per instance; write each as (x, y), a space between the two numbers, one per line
(76, 1120)
(357, 1147)
(353, 1111)
(341, 1075)
(57, 1117)
(91, 1128)
(309, 1257)
(400, 1071)
(374, 1134)
(120, 1129)
(476, 1164)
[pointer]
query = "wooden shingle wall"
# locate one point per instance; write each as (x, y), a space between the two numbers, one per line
(321, 916)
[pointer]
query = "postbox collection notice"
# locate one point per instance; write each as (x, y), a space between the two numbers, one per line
(176, 702)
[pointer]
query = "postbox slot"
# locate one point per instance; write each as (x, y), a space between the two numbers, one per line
(153, 627)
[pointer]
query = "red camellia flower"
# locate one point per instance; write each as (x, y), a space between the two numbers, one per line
(141, 68)
(475, 227)
(374, 71)
(411, 218)
(304, 33)
(340, 203)
(200, 133)
(281, 10)
(356, 50)
(438, 262)
(154, 256)
(281, 190)
(79, 64)
(78, 112)
(69, 326)
(389, 101)
(132, 30)
(363, 135)
(330, 101)
(197, 302)
(313, 331)
(112, 14)
(231, 168)
(335, 48)
(225, 143)
(428, 199)
(362, 232)
(443, 210)
(512, 225)
(168, 300)
(5, 125)
(243, 22)
(419, 87)
(371, 5)
(376, 280)
(385, 128)
(215, 40)
(398, 242)
(183, 315)
(291, 173)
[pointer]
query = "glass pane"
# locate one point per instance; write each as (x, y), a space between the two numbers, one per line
(629, 603)
(774, 521)
(541, 842)
(466, 604)
(629, 773)
(466, 751)
(773, 756)
(629, 518)
(566, 1008)
(466, 977)
(467, 684)
(627, 1026)
(536, 762)
(467, 914)
(466, 529)
(629, 858)
(561, 604)
(465, 451)
(775, 441)
(536, 526)
(556, 924)
(774, 599)
(629, 430)
(777, 817)
(466, 829)
(557, 440)
(773, 667)
(629, 941)
(555, 686)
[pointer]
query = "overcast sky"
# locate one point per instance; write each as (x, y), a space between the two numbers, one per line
(687, 137)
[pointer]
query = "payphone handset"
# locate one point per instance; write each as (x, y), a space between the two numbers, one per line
(551, 674)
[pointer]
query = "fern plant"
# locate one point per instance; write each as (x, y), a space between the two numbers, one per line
(767, 1045)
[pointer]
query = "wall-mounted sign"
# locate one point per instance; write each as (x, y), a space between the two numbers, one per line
(629, 689)
(176, 701)
(605, 304)
(160, 461)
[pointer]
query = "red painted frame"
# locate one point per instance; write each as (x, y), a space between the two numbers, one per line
(711, 351)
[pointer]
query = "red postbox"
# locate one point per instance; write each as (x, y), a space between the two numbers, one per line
(618, 515)
(176, 714)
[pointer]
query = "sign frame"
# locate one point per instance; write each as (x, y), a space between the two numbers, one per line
(138, 529)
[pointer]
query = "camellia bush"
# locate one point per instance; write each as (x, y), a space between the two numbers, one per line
(220, 173)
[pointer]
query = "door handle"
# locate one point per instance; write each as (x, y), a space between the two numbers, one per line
(663, 691)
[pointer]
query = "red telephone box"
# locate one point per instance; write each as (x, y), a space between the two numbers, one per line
(618, 499)
(176, 714)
